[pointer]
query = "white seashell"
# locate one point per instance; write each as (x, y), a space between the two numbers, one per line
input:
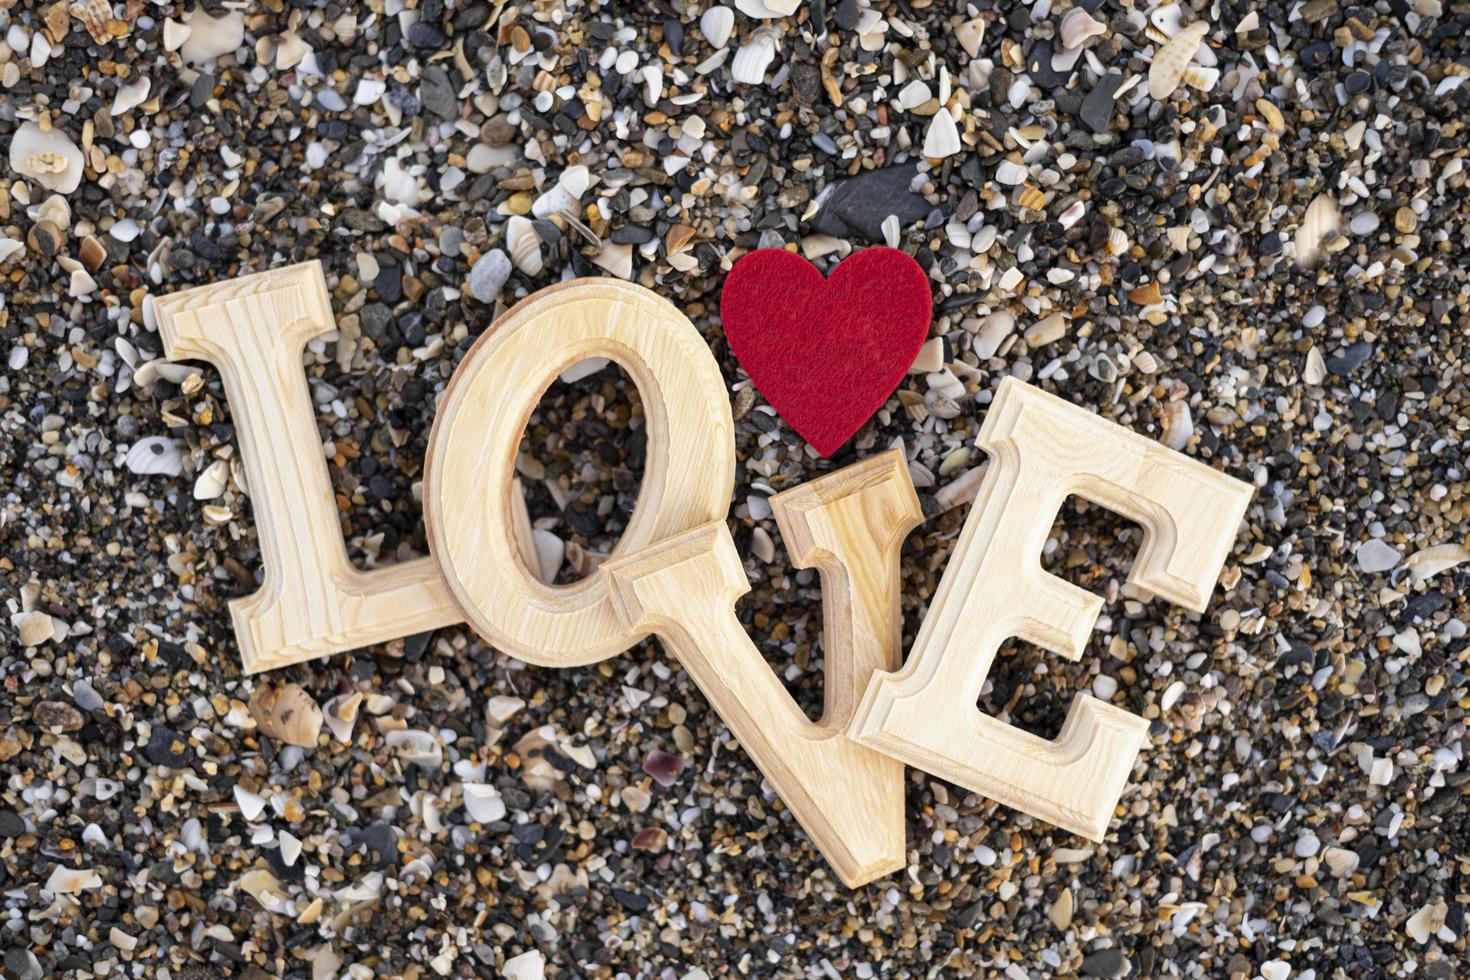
(653, 81)
(175, 33)
(290, 848)
(913, 95)
(1166, 19)
(400, 186)
(715, 24)
(767, 9)
(1011, 173)
(753, 58)
(251, 805)
(1320, 220)
(209, 37)
(524, 245)
(54, 209)
(483, 803)
(551, 551)
(1429, 562)
(569, 189)
(291, 51)
(156, 456)
(1248, 23)
(584, 368)
(1201, 78)
(1170, 61)
(994, 329)
(943, 139)
(1079, 27)
(8, 247)
(287, 714)
(125, 230)
(971, 35)
(1315, 370)
(416, 747)
(340, 715)
(68, 881)
(48, 157)
(1117, 242)
(132, 95)
(1179, 238)
(617, 259)
(211, 482)
(531, 965)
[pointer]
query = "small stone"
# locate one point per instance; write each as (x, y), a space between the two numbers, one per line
(858, 205)
(35, 628)
(488, 276)
(1097, 108)
(167, 747)
(58, 716)
(1375, 555)
(1108, 962)
(1060, 912)
(530, 965)
(664, 767)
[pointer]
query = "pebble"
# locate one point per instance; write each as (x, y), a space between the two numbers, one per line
(488, 276)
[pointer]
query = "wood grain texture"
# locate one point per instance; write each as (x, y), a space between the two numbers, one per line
(849, 525)
(1042, 450)
(312, 601)
(469, 505)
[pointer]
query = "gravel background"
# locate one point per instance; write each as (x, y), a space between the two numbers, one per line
(1262, 265)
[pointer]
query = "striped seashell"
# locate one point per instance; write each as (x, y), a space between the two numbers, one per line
(1172, 60)
(1078, 27)
(753, 58)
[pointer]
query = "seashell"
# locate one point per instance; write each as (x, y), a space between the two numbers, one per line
(1031, 198)
(536, 770)
(551, 551)
(653, 81)
(1320, 221)
(1170, 61)
(211, 482)
(1179, 238)
(1429, 562)
(175, 33)
(9, 247)
(54, 209)
(132, 95)
(942, 139)
(1011, 173)
(483, 803)
(266, 889)
(251, 805)
(69, 881)
(913, 95)
(994, 329)
(971, 34)
(1166, 18)
(1314, 372)
(617, 259)
(416, 747)
(209, 37)
(1078, 27)
(287, 714)
(767, 9)
(95, 15)
(715, 24)
(340, 714)
(569, 189)
(48, 157)
(1117, 242)
(524, 245)
(400, 186)
(1201, 78)
(1178, 425)
(156, 456)
(291, 51)
(753, 58)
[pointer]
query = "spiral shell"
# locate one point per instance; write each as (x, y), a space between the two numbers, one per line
(286, 713)
(524, 245)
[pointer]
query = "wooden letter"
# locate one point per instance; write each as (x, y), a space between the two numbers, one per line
(688, 472)
(849, 525)
(1043, 449)
(312, 601)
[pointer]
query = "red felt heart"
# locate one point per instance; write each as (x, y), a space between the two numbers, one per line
(826, 353)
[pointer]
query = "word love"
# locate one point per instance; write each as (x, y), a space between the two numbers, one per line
(676, 573)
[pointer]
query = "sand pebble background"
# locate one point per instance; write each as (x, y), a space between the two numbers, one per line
(1240, 229)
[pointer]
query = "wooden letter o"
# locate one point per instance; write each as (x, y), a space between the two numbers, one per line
(688, 472)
